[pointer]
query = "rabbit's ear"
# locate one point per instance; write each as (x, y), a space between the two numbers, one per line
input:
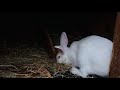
(63, 40)
(59, 47)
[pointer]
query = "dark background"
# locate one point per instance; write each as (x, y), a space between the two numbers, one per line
(25, 26)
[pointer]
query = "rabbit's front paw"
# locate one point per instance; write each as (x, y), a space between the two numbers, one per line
(79, 72)
(74, 70)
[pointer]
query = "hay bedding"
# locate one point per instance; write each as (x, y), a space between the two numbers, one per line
(29, 63)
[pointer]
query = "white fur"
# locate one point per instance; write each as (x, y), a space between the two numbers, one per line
(91, 54)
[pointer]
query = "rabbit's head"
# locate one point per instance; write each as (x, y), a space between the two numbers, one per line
(63, 50)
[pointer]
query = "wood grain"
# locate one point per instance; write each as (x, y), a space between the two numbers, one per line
(115, 64)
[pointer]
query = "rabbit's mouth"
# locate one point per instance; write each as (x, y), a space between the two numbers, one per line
(66, 62)
(63, 61)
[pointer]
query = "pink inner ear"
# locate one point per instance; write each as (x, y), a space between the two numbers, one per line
(59, 50)
(63, 40)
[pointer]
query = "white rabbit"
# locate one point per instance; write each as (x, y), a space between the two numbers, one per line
(91, 54)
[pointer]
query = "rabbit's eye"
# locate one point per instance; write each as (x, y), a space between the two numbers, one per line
(58, 56)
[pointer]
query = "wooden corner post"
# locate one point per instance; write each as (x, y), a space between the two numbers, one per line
(115, 63)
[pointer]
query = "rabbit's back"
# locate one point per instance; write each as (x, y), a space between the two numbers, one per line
(95, 53)
(96, 40)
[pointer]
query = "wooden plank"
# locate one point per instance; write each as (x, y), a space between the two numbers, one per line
(49, 44)
(115, 63)
(47, 41)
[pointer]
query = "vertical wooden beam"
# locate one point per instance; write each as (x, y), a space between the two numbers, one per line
(115, 63)
(48, 41)
(49, 44)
